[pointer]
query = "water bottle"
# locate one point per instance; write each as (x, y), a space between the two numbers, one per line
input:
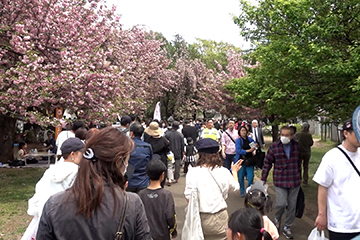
(35, 150)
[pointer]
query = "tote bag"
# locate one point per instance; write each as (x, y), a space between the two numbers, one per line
(192, 225)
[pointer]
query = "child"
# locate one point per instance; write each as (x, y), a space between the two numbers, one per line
(246, 224)
(256, 197)
(159, 203)
(190, 154)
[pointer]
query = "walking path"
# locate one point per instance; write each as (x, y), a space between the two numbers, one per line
(301, 228)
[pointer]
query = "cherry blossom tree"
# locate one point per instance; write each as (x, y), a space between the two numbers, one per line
(72, 54)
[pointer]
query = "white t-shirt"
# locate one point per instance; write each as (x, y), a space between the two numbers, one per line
(211, 197)
(343, 184)
(64, 135)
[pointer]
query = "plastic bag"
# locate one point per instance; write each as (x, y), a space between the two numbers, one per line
(316, 235)
(171, 157)
(30, 233)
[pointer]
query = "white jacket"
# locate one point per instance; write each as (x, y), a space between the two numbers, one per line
(56, 179)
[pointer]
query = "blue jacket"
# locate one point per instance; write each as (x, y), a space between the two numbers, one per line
(139, 158)
(238, 145)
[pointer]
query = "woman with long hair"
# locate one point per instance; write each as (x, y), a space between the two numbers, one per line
(213, 182)
(246, 224)
(96, 205)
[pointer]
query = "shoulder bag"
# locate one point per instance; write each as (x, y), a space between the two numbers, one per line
(120, 234)
(351, 162)
(230, 136)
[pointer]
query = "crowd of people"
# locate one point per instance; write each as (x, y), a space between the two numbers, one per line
(109, 183)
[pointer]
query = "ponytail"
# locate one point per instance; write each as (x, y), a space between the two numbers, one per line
(264, 235)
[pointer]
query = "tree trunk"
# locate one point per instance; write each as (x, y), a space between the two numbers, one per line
(7, 134)
(275, 132)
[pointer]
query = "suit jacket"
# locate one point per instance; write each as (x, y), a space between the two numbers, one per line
(260, 136)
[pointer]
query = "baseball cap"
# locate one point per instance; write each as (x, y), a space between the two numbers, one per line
(71, 145)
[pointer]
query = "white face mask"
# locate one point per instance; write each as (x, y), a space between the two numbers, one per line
(126, 166)
(285, 140)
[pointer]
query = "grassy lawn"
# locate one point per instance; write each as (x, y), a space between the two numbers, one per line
(317, 152)
(17, 186)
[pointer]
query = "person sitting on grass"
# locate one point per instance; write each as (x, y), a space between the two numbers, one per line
(159, 203)
(20, 160)
(57, 178)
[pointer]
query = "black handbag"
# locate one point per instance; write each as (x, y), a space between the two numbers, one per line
(250, 161)
(300, 204)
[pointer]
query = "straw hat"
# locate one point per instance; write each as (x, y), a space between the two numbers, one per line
(153, 129)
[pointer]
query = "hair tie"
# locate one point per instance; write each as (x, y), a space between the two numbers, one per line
(89, 155)
(262, 230)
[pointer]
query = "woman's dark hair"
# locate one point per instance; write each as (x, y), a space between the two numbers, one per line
(154, 169)
(21, 145)
(242, 127)
(211, 160)
(189, 141)
(248, 222)
(111, 148)
(256, 199)
(81, 133)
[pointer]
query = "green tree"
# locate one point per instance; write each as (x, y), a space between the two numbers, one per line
(308, 58)
(212, 53)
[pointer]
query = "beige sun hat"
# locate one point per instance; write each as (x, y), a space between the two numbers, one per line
(153, 129)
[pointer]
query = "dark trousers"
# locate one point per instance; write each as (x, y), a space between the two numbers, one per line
(186, 166)
(342, 236)
(229, 158)
(305, 158)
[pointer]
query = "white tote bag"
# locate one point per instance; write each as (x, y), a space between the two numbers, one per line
(317, 235)
(30, 233)
(192, 225)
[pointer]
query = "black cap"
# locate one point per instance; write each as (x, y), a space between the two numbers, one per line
(348, 125)
(207, 145)
(72, 145)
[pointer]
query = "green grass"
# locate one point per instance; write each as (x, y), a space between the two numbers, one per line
(17, 186)
(317, 152)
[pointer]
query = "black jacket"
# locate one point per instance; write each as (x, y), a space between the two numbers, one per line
(60, 221)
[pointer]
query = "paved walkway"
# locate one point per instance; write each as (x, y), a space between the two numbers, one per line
(301, 228)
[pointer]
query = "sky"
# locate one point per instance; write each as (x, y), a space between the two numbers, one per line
(205, 19)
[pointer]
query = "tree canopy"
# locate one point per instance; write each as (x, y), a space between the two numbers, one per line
(308, 57)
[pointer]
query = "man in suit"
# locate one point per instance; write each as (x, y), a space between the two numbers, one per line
(257, 134)
(258, 137)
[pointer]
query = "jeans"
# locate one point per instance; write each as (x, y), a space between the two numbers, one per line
(247, 171)
(286, 202)
(228, 160)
